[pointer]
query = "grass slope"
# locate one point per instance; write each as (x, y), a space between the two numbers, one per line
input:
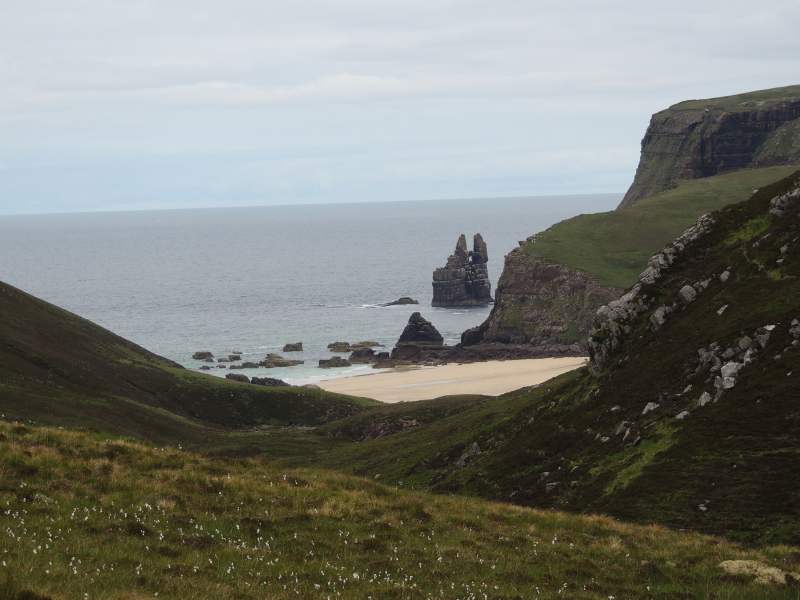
(614, 246)
(57, 368)
(729, 468)
(745, 101)
(87, 517)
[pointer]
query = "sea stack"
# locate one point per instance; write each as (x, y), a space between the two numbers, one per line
(418, 334)
(464, 280)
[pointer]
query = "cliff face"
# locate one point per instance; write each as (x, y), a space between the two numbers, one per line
(701, 138)
(464, 280)
(543, 304)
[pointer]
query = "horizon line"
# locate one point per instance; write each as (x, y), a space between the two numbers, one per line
(308, 204)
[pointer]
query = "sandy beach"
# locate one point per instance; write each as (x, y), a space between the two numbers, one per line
(491, 378)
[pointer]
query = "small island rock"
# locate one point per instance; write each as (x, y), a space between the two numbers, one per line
(401, 302)
(420, 331)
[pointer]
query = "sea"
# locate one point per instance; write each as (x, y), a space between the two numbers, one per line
(253, 279)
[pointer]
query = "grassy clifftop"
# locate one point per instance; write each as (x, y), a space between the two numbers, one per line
(90, 517)
(614, 246)
(702, 138)
(745, 101)
(57, 368)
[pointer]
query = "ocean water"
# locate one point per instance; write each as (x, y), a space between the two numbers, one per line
(252, 279)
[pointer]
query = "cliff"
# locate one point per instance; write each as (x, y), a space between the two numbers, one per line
(697, 156)
(553, 283)
(464, 280)
(543, 304)
(701, 138)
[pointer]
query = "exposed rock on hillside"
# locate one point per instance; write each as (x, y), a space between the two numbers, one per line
(700, 138)
(464, 280)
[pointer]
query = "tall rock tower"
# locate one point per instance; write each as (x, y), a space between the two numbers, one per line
(464, 280)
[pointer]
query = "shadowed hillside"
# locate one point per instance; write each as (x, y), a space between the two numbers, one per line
(57, 368)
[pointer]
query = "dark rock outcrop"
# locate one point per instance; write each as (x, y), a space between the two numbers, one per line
(362, 355)
(401, 302)
(541, 304)
(238, 377)
(269, 382)
(273, 361)
(340, 347)
(464, 280)
(332, 363)
(203, 355)
(293, 347)
(420, 331)
(701, 138)
(246, 365)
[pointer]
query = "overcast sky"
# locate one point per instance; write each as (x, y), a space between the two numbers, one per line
(109, 105)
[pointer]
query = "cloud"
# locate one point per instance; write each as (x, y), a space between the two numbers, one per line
(354, 91)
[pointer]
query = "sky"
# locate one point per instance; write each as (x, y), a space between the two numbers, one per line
(150, 104)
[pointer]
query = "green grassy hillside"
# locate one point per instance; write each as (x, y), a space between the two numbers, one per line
(87, 517)
(584, 442)
(614, 246)
(57, 368)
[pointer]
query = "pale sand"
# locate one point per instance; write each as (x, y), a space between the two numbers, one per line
(490, 378)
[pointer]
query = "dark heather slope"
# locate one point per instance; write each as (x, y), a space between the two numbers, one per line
(690, 415)
(60, 369)
(700, 138)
